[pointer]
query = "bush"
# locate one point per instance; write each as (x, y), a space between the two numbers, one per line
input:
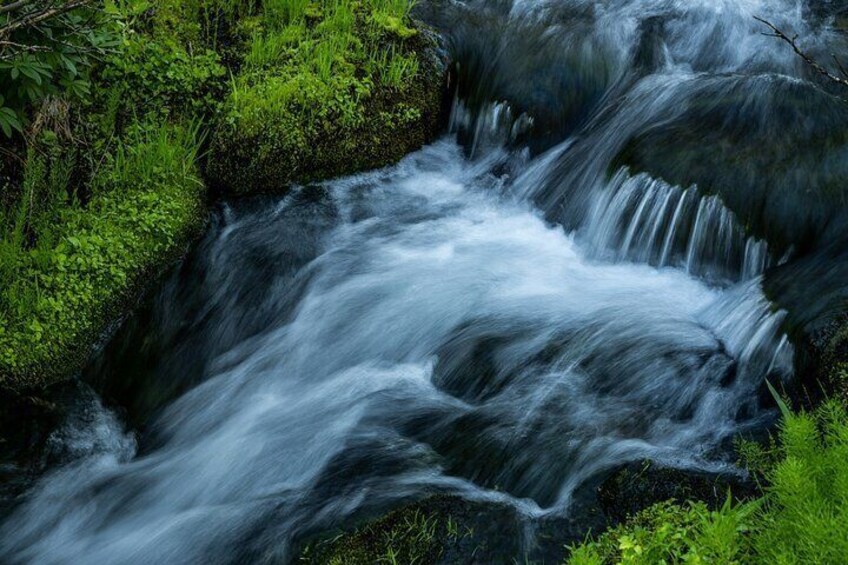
(802, 518)
(50, 57)
(161, 80)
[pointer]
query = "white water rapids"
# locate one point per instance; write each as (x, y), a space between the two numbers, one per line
(582, 364)
(473, 320)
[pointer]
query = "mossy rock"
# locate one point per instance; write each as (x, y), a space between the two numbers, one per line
(638, 486)
(440, 529)
(372, 130)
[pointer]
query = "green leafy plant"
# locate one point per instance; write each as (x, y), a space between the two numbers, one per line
(87, 260)
(802, 518)
(47, 48)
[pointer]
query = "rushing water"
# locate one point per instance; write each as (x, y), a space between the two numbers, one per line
(502, 319)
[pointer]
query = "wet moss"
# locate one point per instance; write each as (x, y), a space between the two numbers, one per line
(441, 529)
(635, 487)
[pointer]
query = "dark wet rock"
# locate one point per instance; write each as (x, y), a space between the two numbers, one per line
(436, 530)
(445, 530)
(27, 418)
(751, 140)
(554, 70)
(817, 319)
(639, 485)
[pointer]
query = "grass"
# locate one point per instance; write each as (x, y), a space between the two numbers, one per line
(405, 536)
(802, 517)
(325, 88)
(68, 269)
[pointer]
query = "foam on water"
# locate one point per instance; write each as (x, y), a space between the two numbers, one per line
(448, 338)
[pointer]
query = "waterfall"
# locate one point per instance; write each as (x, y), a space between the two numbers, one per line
(538, 298)
(639, 218)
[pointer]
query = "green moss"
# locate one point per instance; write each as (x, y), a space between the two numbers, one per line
(802, 518)
(394, 25)
(419, 533)
(328, 90)
(61, 292)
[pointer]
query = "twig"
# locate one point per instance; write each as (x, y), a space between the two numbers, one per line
(13, 6)
(792, 41)
(37, 17)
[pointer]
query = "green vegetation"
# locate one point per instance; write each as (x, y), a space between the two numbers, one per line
(802, 517)
(408, 535)
(107, 110)
(45, 55)
(325, 89)
(59, 293)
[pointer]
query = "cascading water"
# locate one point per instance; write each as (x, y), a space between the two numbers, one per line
(650, 221)
(474, 320)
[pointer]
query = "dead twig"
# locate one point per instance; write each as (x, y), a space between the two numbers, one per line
(812, 63)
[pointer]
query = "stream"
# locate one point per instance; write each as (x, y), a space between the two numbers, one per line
(503, 316)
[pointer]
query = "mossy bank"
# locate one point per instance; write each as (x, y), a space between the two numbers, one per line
(106, 182)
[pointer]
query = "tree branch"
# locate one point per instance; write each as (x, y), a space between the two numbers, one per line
(37, 17)
(812, 63)
(13, 6)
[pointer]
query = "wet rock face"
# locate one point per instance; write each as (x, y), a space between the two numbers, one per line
(640, 485)
(28, 420)
(753, 142)
(554, 70)
(817, 319)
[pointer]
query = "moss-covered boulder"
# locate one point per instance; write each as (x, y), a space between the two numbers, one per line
(337, 89)
(440, 529)
(71, 270)
(448, 529)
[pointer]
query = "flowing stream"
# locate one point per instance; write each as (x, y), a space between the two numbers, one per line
(501, 318)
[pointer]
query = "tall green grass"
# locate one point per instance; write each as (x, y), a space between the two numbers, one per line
(802, 518)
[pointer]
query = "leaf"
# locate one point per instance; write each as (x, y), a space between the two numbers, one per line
(784, 409)
(31, 73)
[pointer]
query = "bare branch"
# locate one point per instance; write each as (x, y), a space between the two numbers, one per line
(34, 18)
(13, 6)
(812, 63)
(839, 65)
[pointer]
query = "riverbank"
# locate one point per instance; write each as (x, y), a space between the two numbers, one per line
(109, 185)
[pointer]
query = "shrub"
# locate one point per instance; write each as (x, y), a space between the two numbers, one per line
(50, 56)
(163, 79)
